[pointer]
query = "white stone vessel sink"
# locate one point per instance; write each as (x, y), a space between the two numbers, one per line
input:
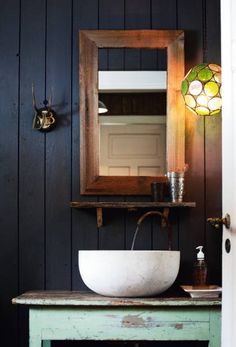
(129, 273)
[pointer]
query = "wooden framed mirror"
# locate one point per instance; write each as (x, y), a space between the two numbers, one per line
(90, 41)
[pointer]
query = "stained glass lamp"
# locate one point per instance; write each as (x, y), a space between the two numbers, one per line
(201, 89)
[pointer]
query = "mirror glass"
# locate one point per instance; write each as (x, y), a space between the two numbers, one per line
(132, 128)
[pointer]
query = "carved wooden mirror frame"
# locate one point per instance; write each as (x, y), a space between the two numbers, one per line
(90, 41)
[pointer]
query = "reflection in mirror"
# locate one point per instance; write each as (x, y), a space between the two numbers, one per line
(137, 75)
(132, 145)
(132, 134)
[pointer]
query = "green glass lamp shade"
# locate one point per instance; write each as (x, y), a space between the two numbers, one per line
(201, 89)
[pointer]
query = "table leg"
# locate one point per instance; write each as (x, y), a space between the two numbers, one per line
(35, 341)
(215, 329)
(35, 332)
(214, 343)
(46, 343)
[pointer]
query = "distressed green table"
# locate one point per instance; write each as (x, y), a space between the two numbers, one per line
(84, 316)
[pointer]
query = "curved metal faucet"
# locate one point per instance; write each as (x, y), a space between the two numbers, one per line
(151, 213)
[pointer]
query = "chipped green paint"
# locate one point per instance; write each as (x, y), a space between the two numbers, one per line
(133, 321)
(92, 317)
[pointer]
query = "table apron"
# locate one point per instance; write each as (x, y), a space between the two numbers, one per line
(125, 324)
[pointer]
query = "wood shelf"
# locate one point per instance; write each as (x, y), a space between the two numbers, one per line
(128, 204)
(131, 206)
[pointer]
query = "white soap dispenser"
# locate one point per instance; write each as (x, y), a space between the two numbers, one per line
(200, 269)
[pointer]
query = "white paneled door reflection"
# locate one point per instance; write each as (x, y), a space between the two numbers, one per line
(132, 149)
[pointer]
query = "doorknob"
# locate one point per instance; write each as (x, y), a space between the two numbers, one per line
(216, 222)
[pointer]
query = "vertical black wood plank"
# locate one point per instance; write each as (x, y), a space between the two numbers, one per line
(111, 14)
(102, 59)
(116, 59)
(111, 235)
(149, 60)
(132, 59)
(32, 156)
(190, 18)
(137, 14)
(213, 149)
(58, 147)
(84, 227)
(31, 176)
(164, 14)
(9, 62)
(212, 28)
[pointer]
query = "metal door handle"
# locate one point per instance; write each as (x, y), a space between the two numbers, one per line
(217, 222)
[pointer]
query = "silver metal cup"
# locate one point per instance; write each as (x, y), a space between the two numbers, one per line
(176, 185)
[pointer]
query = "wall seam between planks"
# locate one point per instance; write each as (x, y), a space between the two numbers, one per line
(18, 172)
(176, 15)
(152, 220)
(97, 197)
(71, 142)
(204, 48)
(45, 151)
(124, 197)
(150, 14)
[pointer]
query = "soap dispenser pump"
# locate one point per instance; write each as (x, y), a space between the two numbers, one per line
(200, 269)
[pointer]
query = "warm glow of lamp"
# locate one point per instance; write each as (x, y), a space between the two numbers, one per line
(201, 89)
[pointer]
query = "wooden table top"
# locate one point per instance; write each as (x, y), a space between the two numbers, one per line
(75, 298)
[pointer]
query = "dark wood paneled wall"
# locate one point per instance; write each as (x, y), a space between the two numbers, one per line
(40, 234)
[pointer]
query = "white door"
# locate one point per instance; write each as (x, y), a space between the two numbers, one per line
(228, 45)
(132, 150)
